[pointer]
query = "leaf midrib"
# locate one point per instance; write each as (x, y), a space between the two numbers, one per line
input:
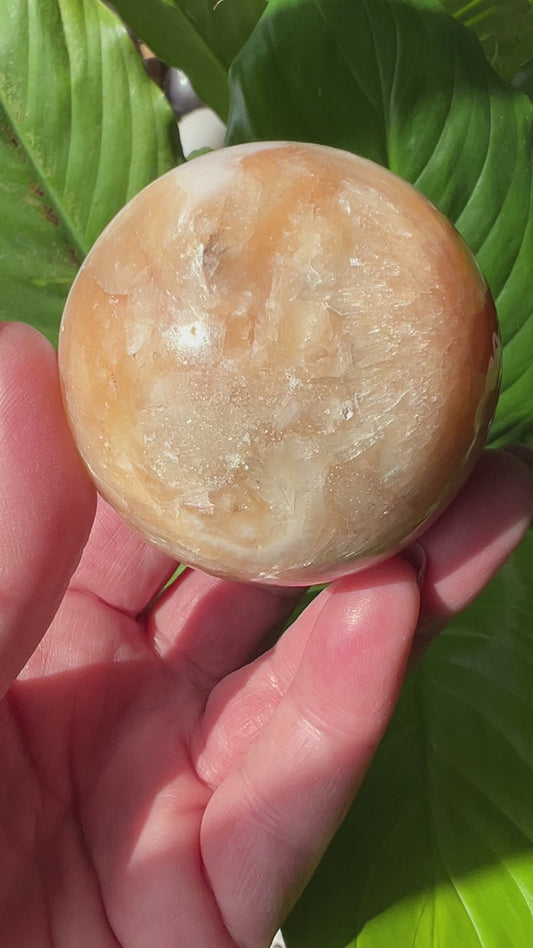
(49, 191)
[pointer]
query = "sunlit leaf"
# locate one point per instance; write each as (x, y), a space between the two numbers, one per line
(82, 129)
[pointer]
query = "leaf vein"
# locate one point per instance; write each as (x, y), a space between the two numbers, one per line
(350, 66)
(482, 793)
(44, 182)
(70, 136)
(504, 737)
(397, 823)
(434, 154)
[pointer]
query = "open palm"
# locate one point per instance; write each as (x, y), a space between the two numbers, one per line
(171, 769)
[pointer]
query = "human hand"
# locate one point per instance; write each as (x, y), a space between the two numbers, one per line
(169, 775)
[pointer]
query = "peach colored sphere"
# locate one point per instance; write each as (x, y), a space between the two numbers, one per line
(279, 362)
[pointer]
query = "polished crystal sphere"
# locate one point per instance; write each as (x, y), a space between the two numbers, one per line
(279, 362)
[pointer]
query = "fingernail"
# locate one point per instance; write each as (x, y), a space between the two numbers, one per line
(415, 554)
(522, 452)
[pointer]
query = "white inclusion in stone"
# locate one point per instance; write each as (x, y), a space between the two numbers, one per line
(344, 202)
(233, 461)
(211, 175)
(202, 182)
(136, 338)
(190, 337)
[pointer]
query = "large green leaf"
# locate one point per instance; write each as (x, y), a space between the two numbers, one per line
(200, 36)
(438, 847)
(82, 129)
(403, 83)
(504, 29)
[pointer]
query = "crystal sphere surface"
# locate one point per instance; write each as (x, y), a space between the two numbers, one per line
(279, 362)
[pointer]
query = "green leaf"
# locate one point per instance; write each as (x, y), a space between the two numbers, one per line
(403, 83)
(523, 78)
(202, 37)
(82, 129)
(503, 27)
(438, 848)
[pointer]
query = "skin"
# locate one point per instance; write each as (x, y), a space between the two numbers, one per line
(169, 776)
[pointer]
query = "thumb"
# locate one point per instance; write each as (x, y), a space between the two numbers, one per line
(46, 500)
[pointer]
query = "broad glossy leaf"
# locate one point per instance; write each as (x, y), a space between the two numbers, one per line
(503, 27)
(82, 129)
(403, 83)
(200, 36)
(438, 848)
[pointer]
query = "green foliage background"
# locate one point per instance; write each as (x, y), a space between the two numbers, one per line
(82, 129)
(438, 847)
